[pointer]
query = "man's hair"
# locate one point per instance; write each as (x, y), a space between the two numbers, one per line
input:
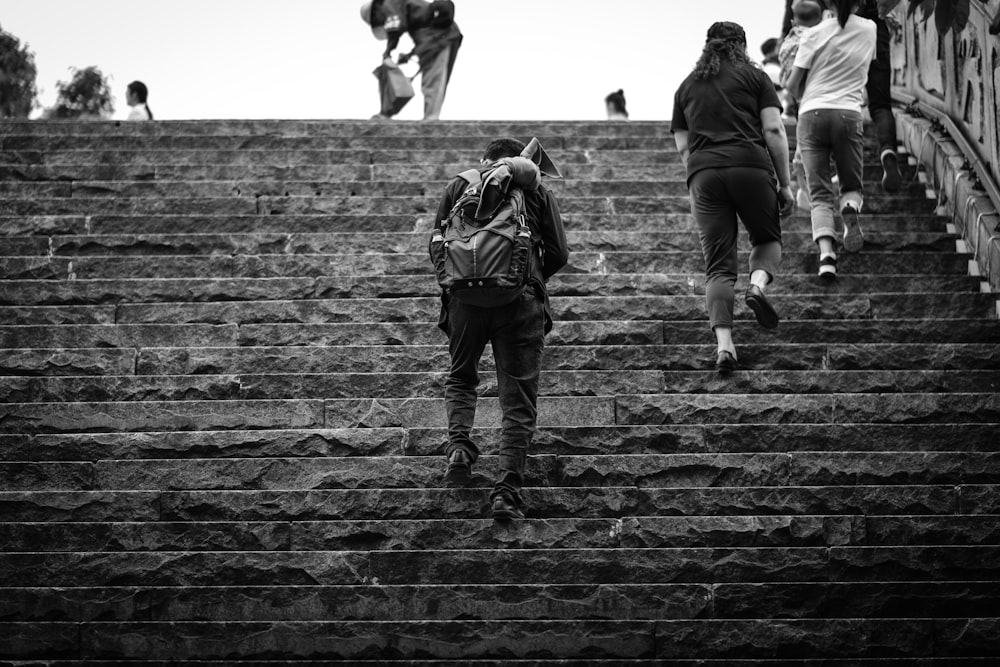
(769, 46)
(501, 148)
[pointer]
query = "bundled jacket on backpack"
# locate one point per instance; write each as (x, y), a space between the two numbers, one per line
(541, 215)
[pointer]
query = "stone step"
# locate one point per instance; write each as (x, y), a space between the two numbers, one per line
(422, 172)
(635, 332)
(314, 186)
(509, 566)
(334, 205)
(474, 141)
(147, 290)
(606, 601)
(266, 414)
(359, 243)
(579, 440)
(392, 359)
(648, 409)
(336, 128)
(875, 306)
(323, 224)
(529, 643)
(466, 504)
(122, 388)
(271, 266)
(410, 472)
(446, 534)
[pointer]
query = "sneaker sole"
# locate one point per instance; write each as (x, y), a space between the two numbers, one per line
(892, 180)
(506, 515)
(828, 276)
(854, 237)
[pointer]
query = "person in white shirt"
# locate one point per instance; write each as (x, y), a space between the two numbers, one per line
(135, 96)
(829, 77)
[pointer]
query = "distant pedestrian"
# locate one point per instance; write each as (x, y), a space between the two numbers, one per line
(770, 64)
(829, 77)
(614, 104)
(136, 95)
(492, 306)
(436, 40)
(727, 126)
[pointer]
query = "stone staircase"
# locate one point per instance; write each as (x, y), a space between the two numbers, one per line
(222, 425)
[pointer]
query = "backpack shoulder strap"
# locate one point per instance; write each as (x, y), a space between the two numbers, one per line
(472, 177)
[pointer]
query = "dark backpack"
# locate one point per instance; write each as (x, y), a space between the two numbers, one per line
(482, 254)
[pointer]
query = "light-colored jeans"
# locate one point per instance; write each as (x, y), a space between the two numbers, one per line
(434, 83)
(823, 134)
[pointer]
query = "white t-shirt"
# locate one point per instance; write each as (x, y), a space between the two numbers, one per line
(838, 60)
(138, 112)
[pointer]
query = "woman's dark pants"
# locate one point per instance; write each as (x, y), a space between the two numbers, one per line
(718, 198)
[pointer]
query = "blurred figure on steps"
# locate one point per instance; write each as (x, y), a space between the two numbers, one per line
(136, 95)
(436, 40)
(727, 126)
(614, 105)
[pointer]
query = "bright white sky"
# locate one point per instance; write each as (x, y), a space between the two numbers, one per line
(522, 59)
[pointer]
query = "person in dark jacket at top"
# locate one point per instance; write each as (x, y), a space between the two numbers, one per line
(436, 39)
(515, 331)
(879, 89)
(727, 126)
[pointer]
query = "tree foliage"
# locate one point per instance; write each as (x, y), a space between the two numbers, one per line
(86, 95)
(17, 77)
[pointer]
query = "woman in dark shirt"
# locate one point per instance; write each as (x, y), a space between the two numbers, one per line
(727, 127)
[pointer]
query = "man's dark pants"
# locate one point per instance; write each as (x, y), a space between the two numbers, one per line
(517, 334)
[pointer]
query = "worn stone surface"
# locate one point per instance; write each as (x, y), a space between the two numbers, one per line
(158, 416)
(552, 502)
(187, 308)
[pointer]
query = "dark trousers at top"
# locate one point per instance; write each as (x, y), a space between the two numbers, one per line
(718, 196)
(879, 89)
(517, 334)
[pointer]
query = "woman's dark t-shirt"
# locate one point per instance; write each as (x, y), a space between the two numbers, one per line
(722, 117)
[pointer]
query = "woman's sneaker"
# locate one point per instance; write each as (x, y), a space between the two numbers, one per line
(828, 267)
(854, 238)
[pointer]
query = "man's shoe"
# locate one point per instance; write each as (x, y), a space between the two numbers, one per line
(725, 362)
(762, 308)
(505, 509)
(828, 267)
(459, 472)
(891, 178)
(854, 237)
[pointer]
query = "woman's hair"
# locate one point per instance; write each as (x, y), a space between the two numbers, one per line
(727, 42)
(138, 88)
(617, 102)
(844, 9)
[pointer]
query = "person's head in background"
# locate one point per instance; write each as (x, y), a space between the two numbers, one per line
(614, 104)
(770, 48)
(726, 43)
(136, 94)
(807, 13)
(843, 10)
